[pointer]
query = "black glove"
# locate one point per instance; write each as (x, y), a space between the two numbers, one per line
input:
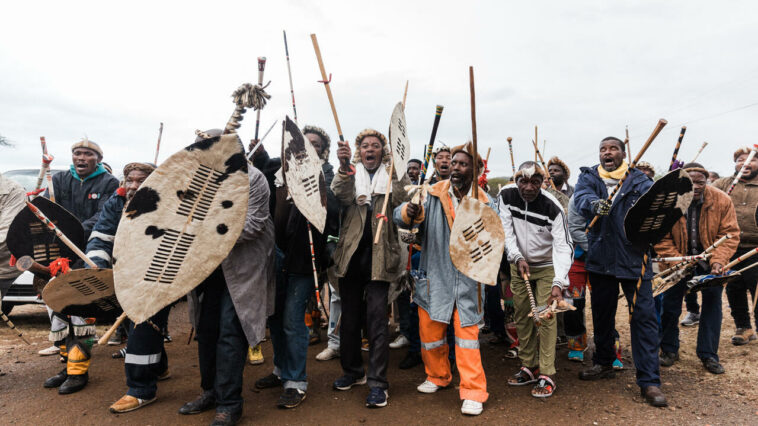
(601, 207)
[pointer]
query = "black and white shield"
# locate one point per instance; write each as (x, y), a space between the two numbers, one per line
(657, 210)
(302, 173)
(28, 236)
(399, 142)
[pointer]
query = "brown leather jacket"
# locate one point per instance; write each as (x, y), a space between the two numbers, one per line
(717, 218)
(745, 198)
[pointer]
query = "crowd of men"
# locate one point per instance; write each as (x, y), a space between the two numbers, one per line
(547, 253)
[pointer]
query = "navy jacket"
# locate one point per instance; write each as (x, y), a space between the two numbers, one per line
(609, 252)
(100, 243)
(84, 198)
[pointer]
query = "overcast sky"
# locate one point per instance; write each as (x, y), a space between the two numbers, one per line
(580, 70)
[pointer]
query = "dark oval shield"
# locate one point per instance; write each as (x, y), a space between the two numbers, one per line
(83, 292)
(657, 210)
(27, 236)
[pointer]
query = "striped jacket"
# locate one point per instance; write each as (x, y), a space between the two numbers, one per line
(536, 232)
(100, 243)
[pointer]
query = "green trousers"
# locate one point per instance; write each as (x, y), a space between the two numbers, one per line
(536, 344)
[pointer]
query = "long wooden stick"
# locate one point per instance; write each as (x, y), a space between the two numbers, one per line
(626, 143)
(45, 168)
(10, 324)
(474, 155)
(383, 215)
(745, 256)
(658, 127)
(289, 72)
(261, 68)
(510, 148)
(430, 146)
(676, 149)
(327, 81)
(104, 339)
(158, 146)
(742, 169)
(51, 226)
(702, 147)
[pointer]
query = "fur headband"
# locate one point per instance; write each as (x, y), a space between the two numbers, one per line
(741, 151)
(321, 133)
(88, 144)
(558, 162)
(467, 148)
(529, 169)
(371, 132)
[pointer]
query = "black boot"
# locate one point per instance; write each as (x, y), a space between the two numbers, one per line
(411, 360)
(205, 401)
(597, 372)
(74, 383)
(56, 380)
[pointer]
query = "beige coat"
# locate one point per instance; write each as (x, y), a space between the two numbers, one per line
(386, 259)
(12, 197)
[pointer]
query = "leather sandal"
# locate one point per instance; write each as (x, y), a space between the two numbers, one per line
(524, 377)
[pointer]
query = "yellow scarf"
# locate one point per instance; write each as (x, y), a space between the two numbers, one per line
(616, 174)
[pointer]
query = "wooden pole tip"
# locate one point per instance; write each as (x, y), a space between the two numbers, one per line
(509, 139)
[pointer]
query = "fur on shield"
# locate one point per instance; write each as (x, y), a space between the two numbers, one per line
(180, 225)
(302, 173)
(477, 241)
(89, 291)
(399, 142)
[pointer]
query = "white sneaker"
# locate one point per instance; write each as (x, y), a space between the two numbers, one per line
(472, 408)
(52, 350)
(400, 342)
(328, 354)
(428, 387)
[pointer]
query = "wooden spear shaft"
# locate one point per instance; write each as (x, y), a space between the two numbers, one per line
(345, 162)
(676, 148)
(48, 173)
(261, 68)
(474, 154)
(626, 143)
(702, 147)
(510, 148)
(289, 72)
(158, 145)
(544, 166)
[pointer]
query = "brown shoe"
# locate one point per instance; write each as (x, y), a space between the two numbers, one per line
(129, 403)
(743, 336)
(654, 396)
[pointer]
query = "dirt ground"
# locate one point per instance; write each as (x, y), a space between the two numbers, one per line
(695, 396)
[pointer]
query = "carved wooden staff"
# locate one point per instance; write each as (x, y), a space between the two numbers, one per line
(676, 149)
(626, 143)
(345, 162)
(658, 127)
(742, 169)
(510, 148)
(261, 67)
(51, 226)
(702, 147)
(382, 216)
(289, 72)
(158, 145)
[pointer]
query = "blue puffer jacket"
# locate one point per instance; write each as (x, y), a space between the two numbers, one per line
(609, 252)
(100, 243)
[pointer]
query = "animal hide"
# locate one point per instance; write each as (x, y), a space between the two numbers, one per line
(477, 241)
(83, 292)
(399, 142)
(302, 173)
(179, 226)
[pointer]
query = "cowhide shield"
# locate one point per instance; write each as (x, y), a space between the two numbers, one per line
(657, 210)
(399, 142)
(303, 174)
(701, 282)
(477, 241)
(180, 225)
(27, 236)
(83, 292)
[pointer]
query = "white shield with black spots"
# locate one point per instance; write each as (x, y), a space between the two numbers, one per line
(303, 175)
(83, 292)
(181, 223)
(477, 241)
(399, 142)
